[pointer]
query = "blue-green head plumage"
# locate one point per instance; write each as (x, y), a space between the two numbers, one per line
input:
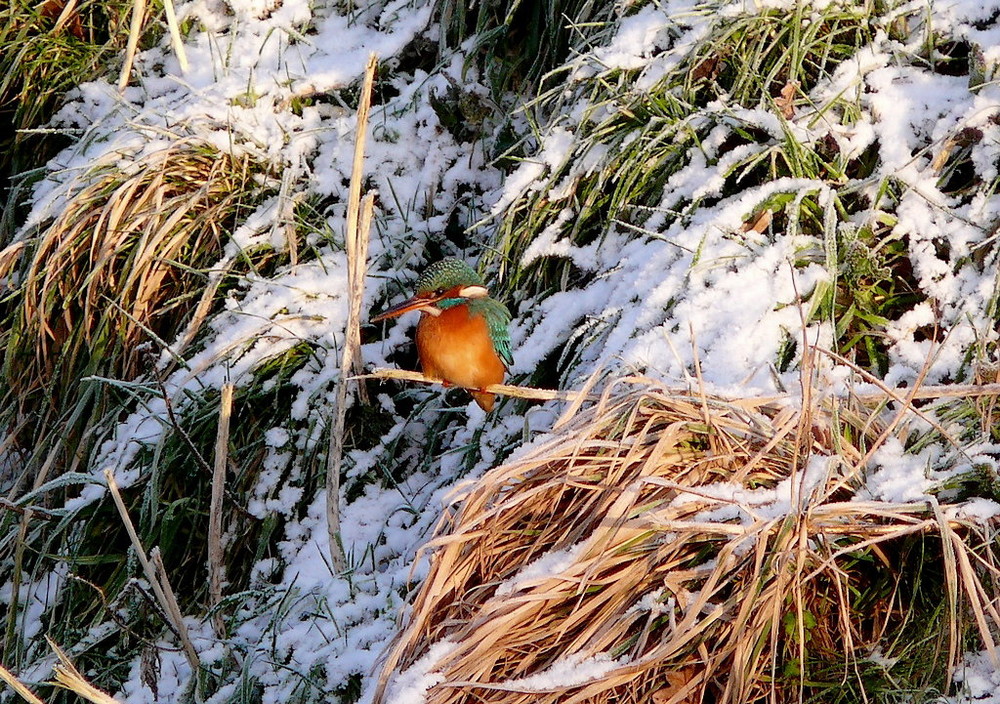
(446, 274)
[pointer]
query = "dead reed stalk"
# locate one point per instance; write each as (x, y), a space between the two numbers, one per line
(135, 30)
(216, 566)
(175, 35)
(152, 566)
(359, 219)
(68, 677)
(19, 687)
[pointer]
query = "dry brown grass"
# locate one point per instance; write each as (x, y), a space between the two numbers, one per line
(133, 260)
(675, 566)
(123, 259)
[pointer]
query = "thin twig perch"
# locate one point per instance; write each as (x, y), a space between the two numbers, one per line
(502, 389)
(923, 393)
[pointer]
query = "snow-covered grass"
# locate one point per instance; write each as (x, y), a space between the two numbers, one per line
(699, 190)
(659, 159)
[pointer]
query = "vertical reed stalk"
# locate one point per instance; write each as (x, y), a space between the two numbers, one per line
(359, 217)
(157, 578)
(175, 35)
(216, 568)
(135, 29)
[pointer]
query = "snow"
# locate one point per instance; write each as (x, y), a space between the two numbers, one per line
(637, 38)
(34, 598)
(550, 563)
(661, 294)
(410, 686)
(570, 671)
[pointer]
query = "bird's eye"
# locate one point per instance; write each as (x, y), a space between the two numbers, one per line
(439, 292)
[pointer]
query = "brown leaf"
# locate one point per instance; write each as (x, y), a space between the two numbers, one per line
(759, 223)
(963, 138)
(707, 69)
(942, 156)
(679, 690)
(786, 101)
(55, 9)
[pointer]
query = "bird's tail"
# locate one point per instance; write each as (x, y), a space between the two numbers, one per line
(484, 400)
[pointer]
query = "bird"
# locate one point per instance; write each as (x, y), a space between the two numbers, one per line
(462, 336)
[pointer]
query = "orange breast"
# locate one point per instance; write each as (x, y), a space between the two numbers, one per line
(456, 347)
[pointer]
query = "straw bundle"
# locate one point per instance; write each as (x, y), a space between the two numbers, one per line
(675, 548)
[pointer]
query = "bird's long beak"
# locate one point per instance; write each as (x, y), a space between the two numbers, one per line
(415, 303)
(426, 302)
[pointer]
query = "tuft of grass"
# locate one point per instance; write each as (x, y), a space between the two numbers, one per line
(740, 107)
(672, 571)
(634, 140)
(46, 49)
(753, 57)
(123, 267)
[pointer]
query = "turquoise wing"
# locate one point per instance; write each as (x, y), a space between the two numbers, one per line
(497, 319)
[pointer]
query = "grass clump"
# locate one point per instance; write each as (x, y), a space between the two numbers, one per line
(46, 49)
(753, 58)
(743, 127)
(124, 266)
(642, 127)
(686, 548)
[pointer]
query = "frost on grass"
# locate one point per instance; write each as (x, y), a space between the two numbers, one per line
(663, 274)
(673, 277)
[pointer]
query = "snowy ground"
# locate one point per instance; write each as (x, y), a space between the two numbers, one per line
(687, 290)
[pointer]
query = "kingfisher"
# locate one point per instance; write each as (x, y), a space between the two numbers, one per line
(462, 336)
